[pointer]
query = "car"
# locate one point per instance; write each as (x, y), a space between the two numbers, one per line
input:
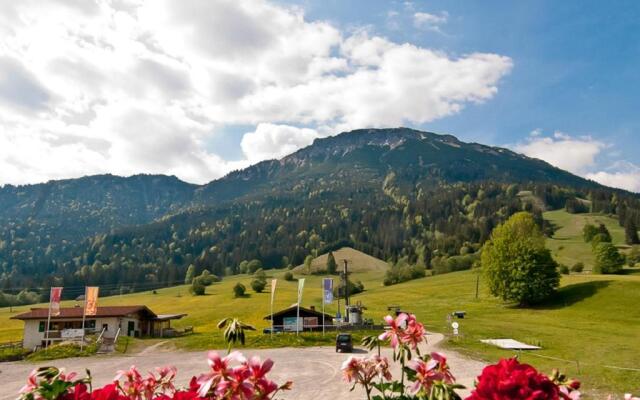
(344, 343)
(276, 329)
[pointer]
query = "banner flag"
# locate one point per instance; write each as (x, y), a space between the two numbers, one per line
(91, 300)
(300, 288)
(327, 289)
(273, 288)
(54, 301)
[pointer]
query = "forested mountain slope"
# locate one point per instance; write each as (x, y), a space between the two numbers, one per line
(391, 193)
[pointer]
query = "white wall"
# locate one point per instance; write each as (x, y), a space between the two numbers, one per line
(33, 338)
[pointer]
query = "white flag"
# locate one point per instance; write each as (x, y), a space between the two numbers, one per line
(300, 288)
(273, 290)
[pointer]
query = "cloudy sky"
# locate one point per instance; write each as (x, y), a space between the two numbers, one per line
(196, 88)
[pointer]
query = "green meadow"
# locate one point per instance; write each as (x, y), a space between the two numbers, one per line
(590, 328)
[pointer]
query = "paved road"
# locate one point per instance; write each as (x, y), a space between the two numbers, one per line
(315, 371)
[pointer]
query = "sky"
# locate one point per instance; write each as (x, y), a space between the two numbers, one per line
(198, 88)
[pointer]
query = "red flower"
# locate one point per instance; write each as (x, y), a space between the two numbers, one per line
(108, 392)
(510, 380)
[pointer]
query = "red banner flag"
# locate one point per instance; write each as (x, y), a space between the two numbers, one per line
(91, 300)
(54, 301)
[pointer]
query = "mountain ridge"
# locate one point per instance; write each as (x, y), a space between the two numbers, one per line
(390, 193)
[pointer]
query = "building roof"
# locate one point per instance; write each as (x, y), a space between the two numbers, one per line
(76, 312)
(293, 308)
(166, 317)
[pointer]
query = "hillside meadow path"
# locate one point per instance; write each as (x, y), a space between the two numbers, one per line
(315, 371)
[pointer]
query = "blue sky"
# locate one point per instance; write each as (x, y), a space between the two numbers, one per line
(202, 88)
(576, 64)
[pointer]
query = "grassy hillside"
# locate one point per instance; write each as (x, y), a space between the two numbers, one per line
(567, 244)
(593, 319)
(357, 261)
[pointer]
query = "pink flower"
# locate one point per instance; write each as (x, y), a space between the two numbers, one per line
(32, 382)
(395, 331)
(413, 333)
(364, 370)
(259, 369)
(427, 373)
(219, 370)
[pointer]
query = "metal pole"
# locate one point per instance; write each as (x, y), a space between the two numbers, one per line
(298, 318)
(346, 292)
(46, 329)
(271, 310)
(84, 310)
(323, 307)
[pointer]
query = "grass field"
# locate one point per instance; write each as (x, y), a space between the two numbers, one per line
(593, 321)
(567, 243)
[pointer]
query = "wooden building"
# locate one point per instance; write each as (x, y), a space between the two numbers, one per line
(110, 321)
(310, 319)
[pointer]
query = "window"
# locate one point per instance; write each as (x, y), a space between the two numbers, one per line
(90, 324)
(41, 326)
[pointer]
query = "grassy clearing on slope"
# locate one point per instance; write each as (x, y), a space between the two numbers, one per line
(567, 243)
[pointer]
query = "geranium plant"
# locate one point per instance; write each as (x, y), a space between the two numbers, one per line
(232, 377)
(428, 377)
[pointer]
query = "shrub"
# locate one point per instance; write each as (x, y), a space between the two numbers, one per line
(260, 274)
(633, 257)
(206, 278)
(402, 271)
(577, 267)
(288, 276)
(516, 263)
(239, 289)
(608, 259)
(197, 288)
(588, 232)
(258, 285)
(253, 266)
(563, 269)
(332, 266)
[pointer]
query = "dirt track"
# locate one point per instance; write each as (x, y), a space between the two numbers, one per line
(315, 371)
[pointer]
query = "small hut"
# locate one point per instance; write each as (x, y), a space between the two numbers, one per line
(310, 319)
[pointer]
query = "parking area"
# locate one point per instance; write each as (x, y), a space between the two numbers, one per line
(315, 371)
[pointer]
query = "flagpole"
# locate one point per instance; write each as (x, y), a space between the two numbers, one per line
(272, 294)
(84, 311)
(323, 295)
(46, 329)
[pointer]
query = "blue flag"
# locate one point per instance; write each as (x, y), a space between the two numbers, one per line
(327, 289)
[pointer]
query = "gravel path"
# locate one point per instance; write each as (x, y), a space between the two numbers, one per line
(315, 371)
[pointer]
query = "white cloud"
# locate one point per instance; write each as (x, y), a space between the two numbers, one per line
(574, 154)
(579, 155)
(271, 141)
(423, 20)
(139, 86)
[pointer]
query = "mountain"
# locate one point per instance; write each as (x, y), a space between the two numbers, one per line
(391, 193)
(409, 154)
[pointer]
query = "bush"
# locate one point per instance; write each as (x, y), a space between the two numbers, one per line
(608, 259)
(443, 265)
(354, 288)
(260, 274)
(253, 266)
(197, 288)
(258, 285)
(288, 276)
(206, 278)
(633, 257)
(577, 267)
(516, 263)
(402, 271)
(564, 270)
(239, 289)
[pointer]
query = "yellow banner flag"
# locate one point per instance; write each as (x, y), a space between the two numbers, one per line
(91, 300)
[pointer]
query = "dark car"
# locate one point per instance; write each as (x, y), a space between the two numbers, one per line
(344, 343)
